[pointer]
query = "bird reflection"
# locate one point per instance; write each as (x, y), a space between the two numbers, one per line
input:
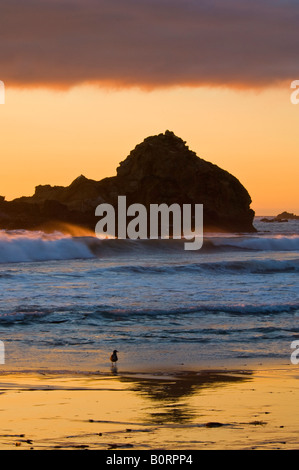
(114, 370)
(170, 398)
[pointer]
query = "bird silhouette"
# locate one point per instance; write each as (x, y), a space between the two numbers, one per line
(113, 357)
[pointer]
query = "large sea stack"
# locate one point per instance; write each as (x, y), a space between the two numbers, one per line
(162, 169)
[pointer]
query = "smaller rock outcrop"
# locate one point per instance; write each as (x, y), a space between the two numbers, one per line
(287, 215)
(281, 218)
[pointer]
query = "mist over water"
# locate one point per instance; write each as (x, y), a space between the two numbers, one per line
(67, 301)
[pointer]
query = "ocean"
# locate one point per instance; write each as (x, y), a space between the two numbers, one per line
(67, 302)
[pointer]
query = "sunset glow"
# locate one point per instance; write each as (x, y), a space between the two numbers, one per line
(51, 137)
(149, 298)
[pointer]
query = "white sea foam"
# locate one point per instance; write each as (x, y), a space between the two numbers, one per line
(262, 243)
(25, 246)
(22, 246)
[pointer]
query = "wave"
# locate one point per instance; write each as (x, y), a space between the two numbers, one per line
(52, 316)
(261, 243)
(24, 246)
(233, 309)
(264, 266)
(229, 267)
(114, 247)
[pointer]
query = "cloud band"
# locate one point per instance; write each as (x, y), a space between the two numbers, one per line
(149, 43)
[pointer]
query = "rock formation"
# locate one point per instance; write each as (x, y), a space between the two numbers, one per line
(283, 217)
(287, 215)
(161, 169)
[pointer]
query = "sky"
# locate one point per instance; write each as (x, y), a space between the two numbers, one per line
(87, 80)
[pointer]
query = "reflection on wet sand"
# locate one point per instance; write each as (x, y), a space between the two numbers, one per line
(114, 370)
(170, 395)
(217, 409)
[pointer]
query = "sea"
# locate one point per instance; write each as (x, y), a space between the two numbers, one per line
(68, 301)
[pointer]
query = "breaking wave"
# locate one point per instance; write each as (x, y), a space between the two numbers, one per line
(25, 246)
(262, 243)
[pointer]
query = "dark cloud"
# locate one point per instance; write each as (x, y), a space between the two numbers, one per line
(149, 42)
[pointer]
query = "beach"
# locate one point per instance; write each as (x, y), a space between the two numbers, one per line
(209, 409)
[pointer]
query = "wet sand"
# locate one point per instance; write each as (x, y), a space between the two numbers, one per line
(242, 408)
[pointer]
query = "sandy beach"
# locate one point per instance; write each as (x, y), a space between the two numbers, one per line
(241, 408)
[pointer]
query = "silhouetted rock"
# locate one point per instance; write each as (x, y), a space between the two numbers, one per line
(161, 169)
(283, 217)
(287, 215)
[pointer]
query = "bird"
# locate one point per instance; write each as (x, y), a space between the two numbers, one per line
(113, 357)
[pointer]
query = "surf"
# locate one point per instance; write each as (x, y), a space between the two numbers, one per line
(36, 246)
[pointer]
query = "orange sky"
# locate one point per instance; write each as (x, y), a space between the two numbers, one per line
(51, 137)
(190, 67)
